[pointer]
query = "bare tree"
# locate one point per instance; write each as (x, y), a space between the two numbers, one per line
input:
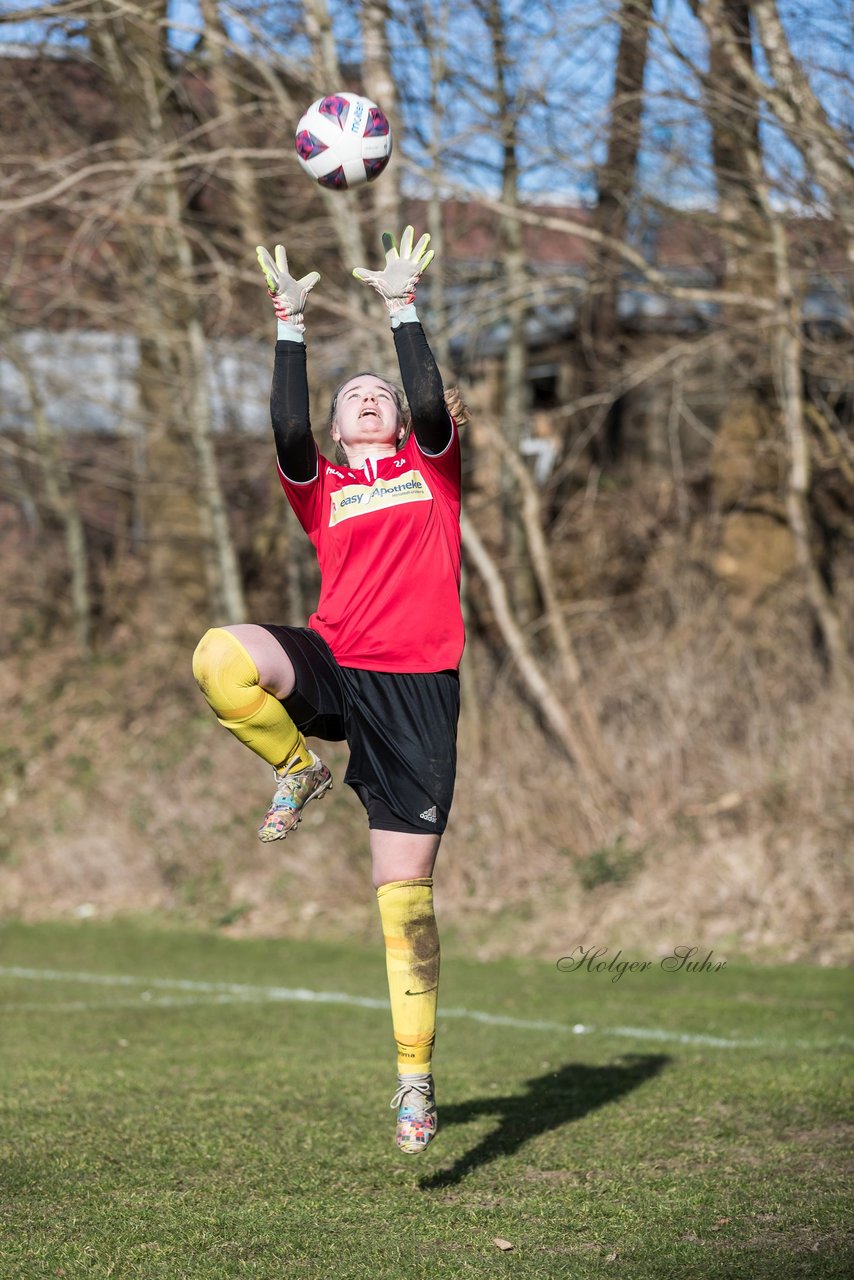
(515, 288)
(770, 409)
(186, 270)
(61, 496)
(341, 207)
(184, 522)
(380, 85)
(247, 199)
(794, 103)
(599, 343)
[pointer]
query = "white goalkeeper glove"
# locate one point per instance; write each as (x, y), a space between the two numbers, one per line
(288, 294)
(397, 282)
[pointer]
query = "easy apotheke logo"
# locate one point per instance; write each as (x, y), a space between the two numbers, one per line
(359, 500)
(682, 959)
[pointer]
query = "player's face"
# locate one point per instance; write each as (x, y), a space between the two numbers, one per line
(366, 413)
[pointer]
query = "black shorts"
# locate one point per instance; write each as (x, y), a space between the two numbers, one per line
(401, 730)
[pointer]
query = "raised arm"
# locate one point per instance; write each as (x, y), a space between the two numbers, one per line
(295, 447)
(422, 382)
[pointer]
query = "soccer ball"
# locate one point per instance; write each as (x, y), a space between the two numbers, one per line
(343, 140)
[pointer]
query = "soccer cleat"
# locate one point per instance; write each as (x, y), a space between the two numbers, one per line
(416, 1112)
(293, 793)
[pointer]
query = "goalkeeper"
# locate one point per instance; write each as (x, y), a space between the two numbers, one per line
(377, 664)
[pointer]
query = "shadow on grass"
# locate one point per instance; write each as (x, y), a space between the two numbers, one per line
(550, 1101)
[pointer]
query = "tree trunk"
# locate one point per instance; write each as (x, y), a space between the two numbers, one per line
(380, 86)
(515, 287)
(341, 207)
(244, 188)
(599, 329)
(733, 108)
(748, 454)
(62, 501)
(538, 686)
(788, 380)
(588, 737)
(796, 106)
(788, 362)
(186, 523)
(761, 265)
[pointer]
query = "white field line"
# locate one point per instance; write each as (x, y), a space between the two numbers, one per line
(201, 993)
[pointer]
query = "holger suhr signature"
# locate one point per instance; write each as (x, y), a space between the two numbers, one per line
(682, 959)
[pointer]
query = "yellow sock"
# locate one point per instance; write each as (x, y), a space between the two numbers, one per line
(229, 679)
(412, 964)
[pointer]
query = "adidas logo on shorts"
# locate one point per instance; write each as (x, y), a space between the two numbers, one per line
(429, 815)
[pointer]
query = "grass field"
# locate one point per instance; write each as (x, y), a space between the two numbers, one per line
(184, 1105)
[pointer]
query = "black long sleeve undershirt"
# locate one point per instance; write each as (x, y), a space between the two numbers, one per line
(422, 383)
(289, 410)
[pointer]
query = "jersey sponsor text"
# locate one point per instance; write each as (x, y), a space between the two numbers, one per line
(359, 500)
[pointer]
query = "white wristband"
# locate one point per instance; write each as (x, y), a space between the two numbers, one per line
(288, 332)
(406, 315)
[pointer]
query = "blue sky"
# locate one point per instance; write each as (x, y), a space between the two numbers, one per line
(565, 84)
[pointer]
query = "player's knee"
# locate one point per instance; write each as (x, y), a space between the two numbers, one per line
(205, 658)
(223, 670)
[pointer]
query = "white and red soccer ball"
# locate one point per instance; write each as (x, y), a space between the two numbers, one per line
(343, 140)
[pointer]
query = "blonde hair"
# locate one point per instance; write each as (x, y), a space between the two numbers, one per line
(456, 406)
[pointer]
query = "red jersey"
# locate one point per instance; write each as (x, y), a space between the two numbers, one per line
(387, 538)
